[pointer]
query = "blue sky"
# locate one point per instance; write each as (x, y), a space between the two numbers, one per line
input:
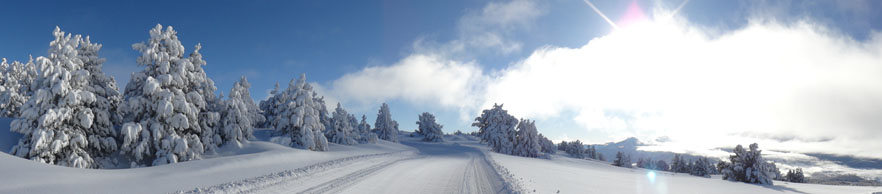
(362, 53)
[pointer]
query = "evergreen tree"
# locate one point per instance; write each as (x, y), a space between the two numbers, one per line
(622, 160)
(576, 149)
(527, 139)
(748, 166)
(546, 144)
(170, 108)
(385, 127)
(365, 130)
(341, 131)
(297, 120)
(497, 128)
(795, 175)
(69, 120)
(239, 117)
(700, 168)
(662, 165)
(270, 107)
(16, 82)
(429, 129)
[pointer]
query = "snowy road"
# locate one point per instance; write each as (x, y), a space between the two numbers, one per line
(443, 168)
(430, 168)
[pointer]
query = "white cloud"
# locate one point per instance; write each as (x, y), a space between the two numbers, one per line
(418, 79)
(669, 78)
(698, 87)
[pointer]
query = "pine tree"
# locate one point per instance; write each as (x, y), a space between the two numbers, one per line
(429, 129)
(16, 80)
(298, 121)
(576, 149)
(662, 165)
(365, 130)
(385, 127)
(270, 107)
(622, 160)
(497, 128)
(341, 131)
(239, 116)
(700, 168)
(546, 144)
(748, 166)
(68, 121)
(527, 139)
(795, 175)
(170, 108)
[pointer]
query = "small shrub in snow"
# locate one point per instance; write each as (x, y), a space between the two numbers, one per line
(68, 121)
(385, 127)
(497, 128)
(429, 129)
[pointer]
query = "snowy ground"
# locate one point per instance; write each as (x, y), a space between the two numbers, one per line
(568, 175)
(460, 165)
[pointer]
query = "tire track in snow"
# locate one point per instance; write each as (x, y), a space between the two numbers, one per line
(338, 184)
(253, 185)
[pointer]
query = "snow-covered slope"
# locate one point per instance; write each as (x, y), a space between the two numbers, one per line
(568, 175)
(252, 160)
(460, 165)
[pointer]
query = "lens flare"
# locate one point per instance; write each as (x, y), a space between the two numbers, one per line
(651, 176)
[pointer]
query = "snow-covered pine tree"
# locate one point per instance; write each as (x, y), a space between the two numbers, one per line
(497, 128)
(170, 106)
(353, 122)
(16, 82)
(576, 149)
(68, 120)
(546, 144)
(619, 160)
(563, 146)
(662, 165)
(429, 129)
(365, 130)
(700, 168)
(298, 123)
(527, 139)
(341, 131)
(795, 175)
(270, 106)
(748, 166)
(324, 114)
(254, 111)
(238, 117)
(385, 127)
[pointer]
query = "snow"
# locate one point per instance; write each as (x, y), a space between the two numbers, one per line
(569, 175)
(459, 165)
